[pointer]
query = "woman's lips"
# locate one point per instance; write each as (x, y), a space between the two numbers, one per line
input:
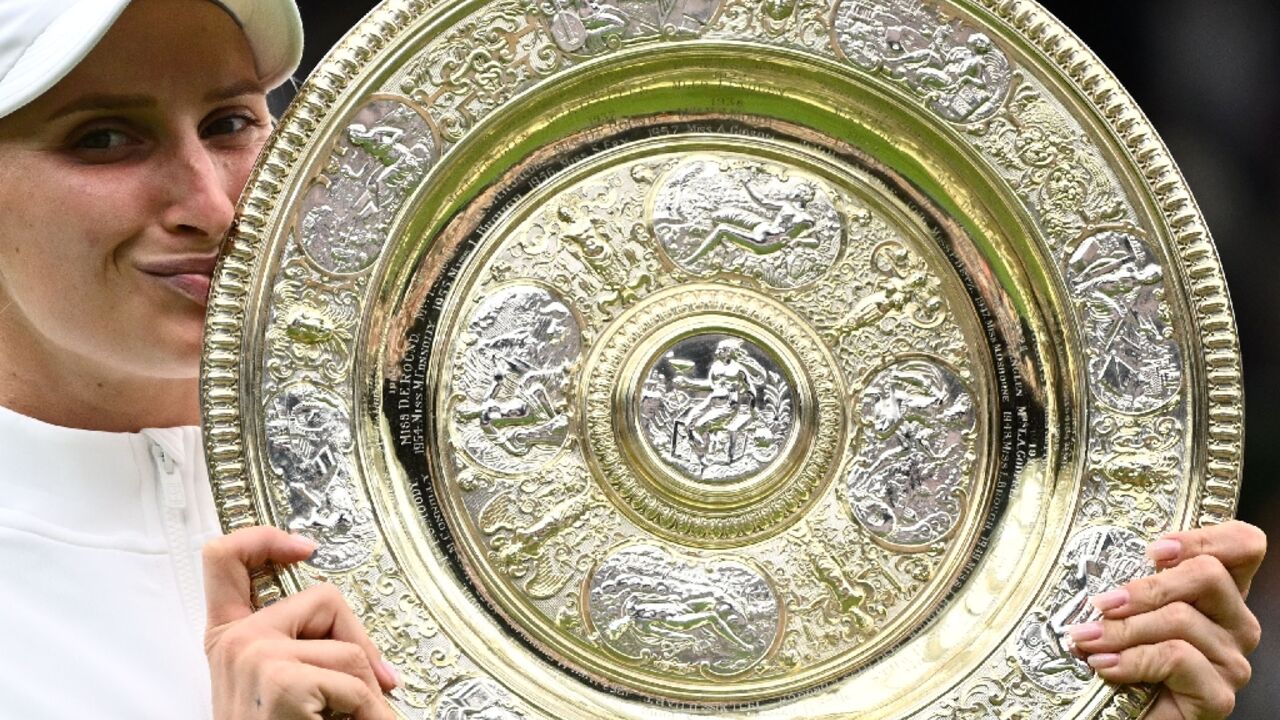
(189, 276)
(194, 286)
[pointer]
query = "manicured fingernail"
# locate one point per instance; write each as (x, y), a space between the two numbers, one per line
(1111, 600)
(1103, 660)
(1085, 632)
(391, 673)
(1165, 550)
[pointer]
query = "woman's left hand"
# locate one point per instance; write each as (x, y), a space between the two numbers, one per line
(1187, 627)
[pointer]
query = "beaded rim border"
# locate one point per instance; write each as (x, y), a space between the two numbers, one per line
(1198, 261)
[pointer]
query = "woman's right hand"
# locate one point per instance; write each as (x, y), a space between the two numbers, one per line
(295, 659)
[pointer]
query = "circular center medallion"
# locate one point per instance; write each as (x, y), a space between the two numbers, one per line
(706, 416)
(651, 359)
(713, 415)
(716, 408)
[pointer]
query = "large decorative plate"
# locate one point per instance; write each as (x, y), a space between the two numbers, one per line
(749, 358)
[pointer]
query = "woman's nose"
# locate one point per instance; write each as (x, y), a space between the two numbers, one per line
(198, 194)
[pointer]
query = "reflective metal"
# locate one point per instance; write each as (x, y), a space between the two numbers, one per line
(756, 358)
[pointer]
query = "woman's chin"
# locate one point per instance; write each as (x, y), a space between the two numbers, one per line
(173, 351)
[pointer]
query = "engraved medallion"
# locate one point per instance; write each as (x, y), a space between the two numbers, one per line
(674, 358)
(716, 408)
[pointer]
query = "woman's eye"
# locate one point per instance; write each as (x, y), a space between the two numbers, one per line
(102, 139)
(229, 125)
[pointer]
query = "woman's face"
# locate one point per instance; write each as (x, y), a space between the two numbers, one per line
(117, 185)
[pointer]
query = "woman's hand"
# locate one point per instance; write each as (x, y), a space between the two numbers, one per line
(1186, 627)
(294, 659)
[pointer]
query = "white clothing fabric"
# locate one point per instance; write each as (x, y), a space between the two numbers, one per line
(42, 40)
(102, 599)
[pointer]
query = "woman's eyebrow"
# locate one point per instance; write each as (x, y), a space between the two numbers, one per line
(96, 102)
(102, 101)
(244, 87)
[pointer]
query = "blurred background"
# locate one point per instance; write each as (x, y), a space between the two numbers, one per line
(1208, 75)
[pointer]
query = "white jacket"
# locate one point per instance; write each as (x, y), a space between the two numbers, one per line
(101, 594)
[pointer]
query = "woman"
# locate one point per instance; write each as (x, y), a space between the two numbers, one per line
(127, 129)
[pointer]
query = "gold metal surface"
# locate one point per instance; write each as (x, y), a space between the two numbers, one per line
(756, 358)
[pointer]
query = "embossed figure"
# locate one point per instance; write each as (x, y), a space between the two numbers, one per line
(1097, 560)
(683, 617)
(594, 26)
(538, 531)
(952, 70)
(716, 216)
(476, 699)
(604, 24)
(907, 482)
(733, 382)
(905, 286)
(512, 413)
(959, 72)
(308, 442)
(1119, 291)
(725, 425)
(518, 413)
(314, 327)
(396, 162)
(665, 615)
(784, 223)
(779, 10)
(622, 271)
(848, 595)
(385, 151)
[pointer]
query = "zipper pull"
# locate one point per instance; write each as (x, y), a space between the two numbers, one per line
(170, 483)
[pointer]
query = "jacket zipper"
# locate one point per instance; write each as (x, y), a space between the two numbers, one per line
(174, 501)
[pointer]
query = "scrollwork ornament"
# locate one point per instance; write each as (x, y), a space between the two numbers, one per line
(405, 631)
(1134, 466)
(312, 327)
(482, 63)
(545, 532)
(594, 27)
(597, 197)
(795, 23)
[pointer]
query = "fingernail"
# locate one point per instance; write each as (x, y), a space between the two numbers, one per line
(1165, 550)
(1111, 600)
(1103, 660)
(1084, 632)
(391, 673)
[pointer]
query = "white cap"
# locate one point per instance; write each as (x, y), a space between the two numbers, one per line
(42, 40)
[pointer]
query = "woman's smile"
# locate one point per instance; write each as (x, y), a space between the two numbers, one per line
(190, 276)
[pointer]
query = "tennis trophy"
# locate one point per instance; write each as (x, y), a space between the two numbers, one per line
(737, 358)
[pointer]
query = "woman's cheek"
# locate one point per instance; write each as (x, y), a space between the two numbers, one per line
(239, 165)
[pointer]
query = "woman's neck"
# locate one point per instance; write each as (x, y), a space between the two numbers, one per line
(62, 388)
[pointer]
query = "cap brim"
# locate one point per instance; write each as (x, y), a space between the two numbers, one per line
(274, 31)
(51, 55)
(272, 27)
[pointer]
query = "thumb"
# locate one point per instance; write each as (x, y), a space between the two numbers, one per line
(230, 559)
